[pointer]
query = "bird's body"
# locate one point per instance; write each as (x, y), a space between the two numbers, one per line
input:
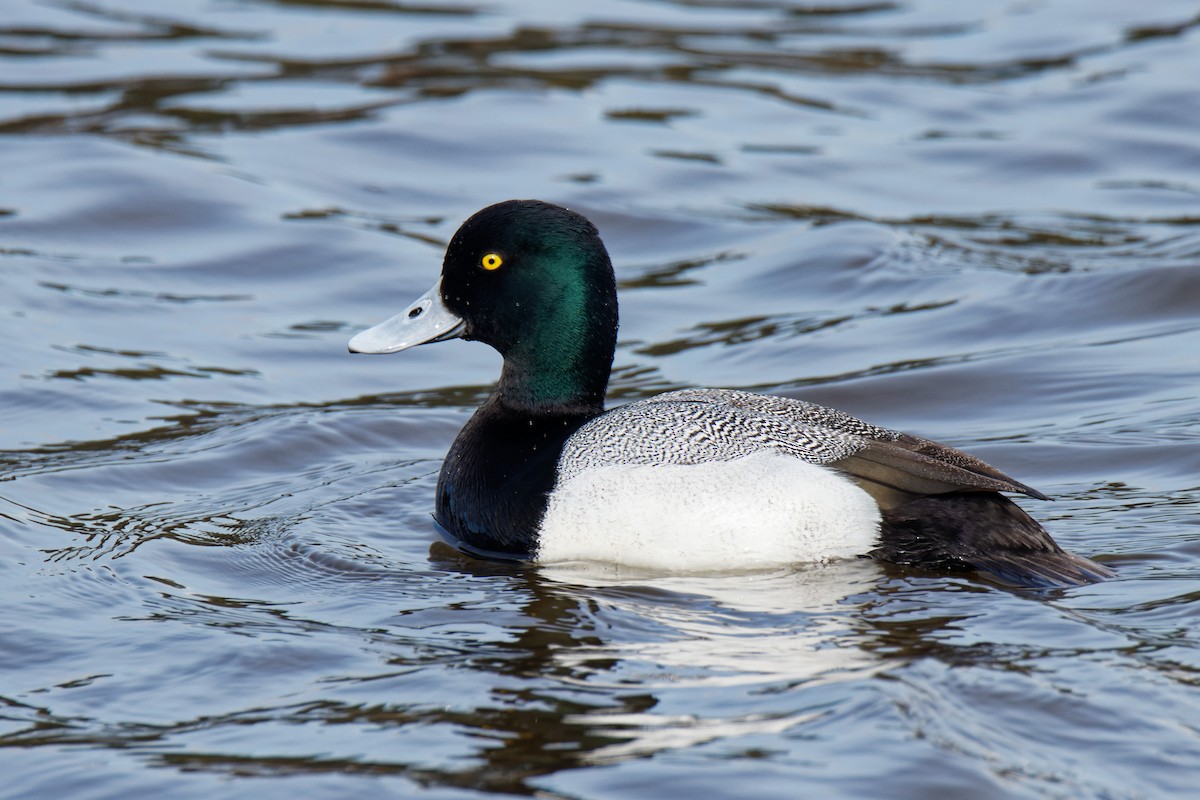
(697, 479)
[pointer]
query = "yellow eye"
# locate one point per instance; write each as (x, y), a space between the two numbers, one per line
(491, 261)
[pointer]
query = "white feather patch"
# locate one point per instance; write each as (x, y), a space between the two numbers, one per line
(757, 511)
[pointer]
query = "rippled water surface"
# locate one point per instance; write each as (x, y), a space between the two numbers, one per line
(979, 222)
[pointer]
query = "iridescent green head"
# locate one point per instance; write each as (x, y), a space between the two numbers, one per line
(534, 281)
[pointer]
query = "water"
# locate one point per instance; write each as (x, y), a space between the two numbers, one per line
(976, 222)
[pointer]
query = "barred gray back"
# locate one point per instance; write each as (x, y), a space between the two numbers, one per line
(694, 426)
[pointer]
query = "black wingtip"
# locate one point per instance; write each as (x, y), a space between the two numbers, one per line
(985, 532)
(1045, 571)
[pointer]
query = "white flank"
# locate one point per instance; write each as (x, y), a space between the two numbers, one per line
(758, 511)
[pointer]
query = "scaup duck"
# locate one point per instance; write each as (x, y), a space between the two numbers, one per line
(699, 479)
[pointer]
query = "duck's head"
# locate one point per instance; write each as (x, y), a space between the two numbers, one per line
(534, 281)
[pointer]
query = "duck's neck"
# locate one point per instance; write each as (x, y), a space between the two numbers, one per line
(562, 365)
(568, 375)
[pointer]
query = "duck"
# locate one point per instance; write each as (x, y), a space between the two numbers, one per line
(691, 480)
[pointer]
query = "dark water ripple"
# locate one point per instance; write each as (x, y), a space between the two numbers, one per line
(979, 222)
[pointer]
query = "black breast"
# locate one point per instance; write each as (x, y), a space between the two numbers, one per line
(495, 483)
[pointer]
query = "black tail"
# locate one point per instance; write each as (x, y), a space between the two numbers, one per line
(981, 531)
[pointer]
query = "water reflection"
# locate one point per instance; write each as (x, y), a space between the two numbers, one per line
(559, 669)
